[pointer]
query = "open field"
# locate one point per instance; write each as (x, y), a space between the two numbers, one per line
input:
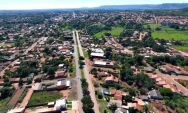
(167, 33)
(116, 31)
(43, 97)
(181, 47)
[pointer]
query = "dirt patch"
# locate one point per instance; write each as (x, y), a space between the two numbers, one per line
(16, 96)
(73, 90)
(183, 83)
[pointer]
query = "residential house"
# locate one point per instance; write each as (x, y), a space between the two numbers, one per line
(105, 64)
(111, 79)
(102, 74)
(117, 94)
(105, 91)
(37, 87)
(171, 69)
(60, 104)
(61, 84)
(155, 94)
(97, 53)
(60, 74)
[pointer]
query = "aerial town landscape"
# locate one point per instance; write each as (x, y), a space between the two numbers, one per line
(97, 60)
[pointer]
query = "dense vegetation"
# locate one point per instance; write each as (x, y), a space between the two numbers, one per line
(174, 60)
(86, 100)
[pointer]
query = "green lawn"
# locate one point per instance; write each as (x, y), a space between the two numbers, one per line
(82, 73)
(4, 106)
(69, 105)
(73, 70)
(153, 26)
(182, 48)
(167, 33)
(85, 53)
(43, 97)
(116, 31)
(102, 105)
(4, 102)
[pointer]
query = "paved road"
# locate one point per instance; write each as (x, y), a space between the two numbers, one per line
(88, 78)
(26, 51)
(78, 73)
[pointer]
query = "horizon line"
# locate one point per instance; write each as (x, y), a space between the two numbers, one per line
(69, 8)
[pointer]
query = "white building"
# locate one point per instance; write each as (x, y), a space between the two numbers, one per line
(60, 104)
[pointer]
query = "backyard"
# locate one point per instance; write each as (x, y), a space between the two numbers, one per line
(43, 97)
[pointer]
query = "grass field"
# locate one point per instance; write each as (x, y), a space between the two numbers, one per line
(103, 105)
(85, 53)
(73, 71)
(116, 31)
(3, 102)
(4, 106)
(167, 33)
(43, 97)
(182, 48)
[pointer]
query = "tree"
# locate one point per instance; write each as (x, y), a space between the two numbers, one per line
(29, 81)
(113, 107)
(6, 92)
(47, 50)
(100, 96)
(108, 53)
(87, 104)
(132, 92)
(50, 40)
(126, 99)
(126, 75)
(51, 70)
(144, 81)
(138, 60)
(133, 110)
(94, 71)
(107, 34)
(146, 108)
(8, 73)
(20, 82)
(89, 52)
(166, 92)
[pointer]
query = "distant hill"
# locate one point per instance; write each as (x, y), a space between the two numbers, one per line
(171, 12)
(165, 6)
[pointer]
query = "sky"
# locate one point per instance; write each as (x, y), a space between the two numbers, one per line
(51, 4)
